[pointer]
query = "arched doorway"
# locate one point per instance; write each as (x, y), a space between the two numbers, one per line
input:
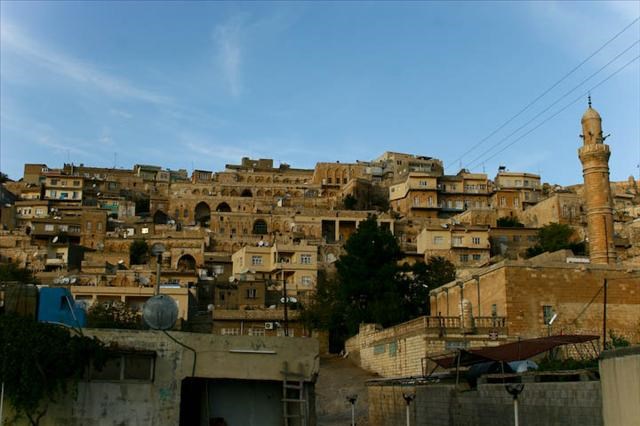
(160, 218)
(223, 207)
(186, 263)
(246, 193)
(203, 214)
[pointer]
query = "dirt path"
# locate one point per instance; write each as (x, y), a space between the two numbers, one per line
(338, 378)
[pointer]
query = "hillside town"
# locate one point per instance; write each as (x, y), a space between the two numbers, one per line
(242, 251)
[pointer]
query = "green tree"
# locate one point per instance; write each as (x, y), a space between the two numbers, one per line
(113, 315)
(368, 277)
(369, 286)
(553, 237)
(138, 252)
(509, 222)
(423, 277)
(40, 361)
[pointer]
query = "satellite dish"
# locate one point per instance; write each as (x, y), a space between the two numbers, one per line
(160, 312)
(120, 262)
(290, 299)
(73, 280)
(210, 307)
(144, 280)
(55, 239)
(157, 249)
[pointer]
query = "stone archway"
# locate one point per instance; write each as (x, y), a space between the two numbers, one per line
(186, 263)
(223, 207)
(202, 214)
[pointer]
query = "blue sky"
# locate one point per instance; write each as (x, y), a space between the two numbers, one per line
(201, 84)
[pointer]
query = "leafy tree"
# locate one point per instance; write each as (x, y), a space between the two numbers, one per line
(553, 237)
(12, 272)
(138, 252)
(368, 277)
(616, 341)
(423, 277)
(40, 361)
(509, 222)
(371, 287)
(113, 315)
(4, 177)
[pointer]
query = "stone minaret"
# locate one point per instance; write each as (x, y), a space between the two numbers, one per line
(594, 155)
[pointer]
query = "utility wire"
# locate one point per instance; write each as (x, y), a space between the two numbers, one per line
(497, 144)
(545, 92)
(564, 108)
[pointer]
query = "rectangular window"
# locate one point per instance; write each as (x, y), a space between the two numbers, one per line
(48, 227)
(306, 280)
(252, 293)
(254, 331)
(438, 240)
(305, 259)
(464, 258)
(63, 228)
(39, 212)
(76, 183)
(476, 240)
(457, 241)
(547, 313)
(89, 226)
(516, 238)
(230, 331)
(256, 260)
(503, 201)
(477, 257)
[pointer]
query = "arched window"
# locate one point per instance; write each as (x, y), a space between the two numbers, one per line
(223, 207)
(260, 227)
(186, 263)
(246, 193)
(160, 217)
(203, 213)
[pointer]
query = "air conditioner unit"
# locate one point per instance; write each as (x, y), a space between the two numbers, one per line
(268, 326)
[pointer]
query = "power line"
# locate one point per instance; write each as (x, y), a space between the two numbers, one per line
(564, 108)
(545, 92)
(492, 147)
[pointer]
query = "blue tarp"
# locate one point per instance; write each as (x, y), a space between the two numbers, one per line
(56, 305)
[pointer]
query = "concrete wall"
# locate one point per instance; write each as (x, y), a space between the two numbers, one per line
(540, 404)
(243, 359)
(620, 376)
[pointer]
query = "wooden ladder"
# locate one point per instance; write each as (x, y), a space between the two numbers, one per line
(294, 404)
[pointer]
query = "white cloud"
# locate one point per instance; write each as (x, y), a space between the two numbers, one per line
(227, 38)
(16, 41)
